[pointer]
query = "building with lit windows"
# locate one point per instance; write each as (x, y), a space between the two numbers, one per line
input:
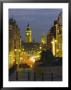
(58, 37)
(28, 34)
(14, 42)
(54, 37)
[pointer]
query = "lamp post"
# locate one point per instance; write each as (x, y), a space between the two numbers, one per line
(15, 48)
(18, 58)
(16, 65)
(15, 52)
(19, 48)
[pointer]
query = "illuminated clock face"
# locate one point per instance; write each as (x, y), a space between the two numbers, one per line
(27, 34)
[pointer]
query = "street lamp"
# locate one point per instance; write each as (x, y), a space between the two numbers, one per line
(15, 50)
(40, 47)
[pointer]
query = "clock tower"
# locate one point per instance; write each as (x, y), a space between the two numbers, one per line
(28, 34)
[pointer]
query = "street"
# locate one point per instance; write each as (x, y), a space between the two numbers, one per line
(40, 74)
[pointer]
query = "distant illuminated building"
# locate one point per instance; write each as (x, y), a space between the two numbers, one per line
(28, 34)
(43, 39)
(32, 49)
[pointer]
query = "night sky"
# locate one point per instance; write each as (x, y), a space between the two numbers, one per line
(40, 20)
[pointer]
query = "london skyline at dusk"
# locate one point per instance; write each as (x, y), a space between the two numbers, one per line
(35, 44)
(40, 20)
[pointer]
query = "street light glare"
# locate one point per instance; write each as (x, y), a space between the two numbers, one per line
(15, 49)
(32, 59)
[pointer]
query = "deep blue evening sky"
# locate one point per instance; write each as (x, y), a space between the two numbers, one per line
(41, 20)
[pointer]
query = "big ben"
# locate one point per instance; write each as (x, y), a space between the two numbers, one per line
(28, 34)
